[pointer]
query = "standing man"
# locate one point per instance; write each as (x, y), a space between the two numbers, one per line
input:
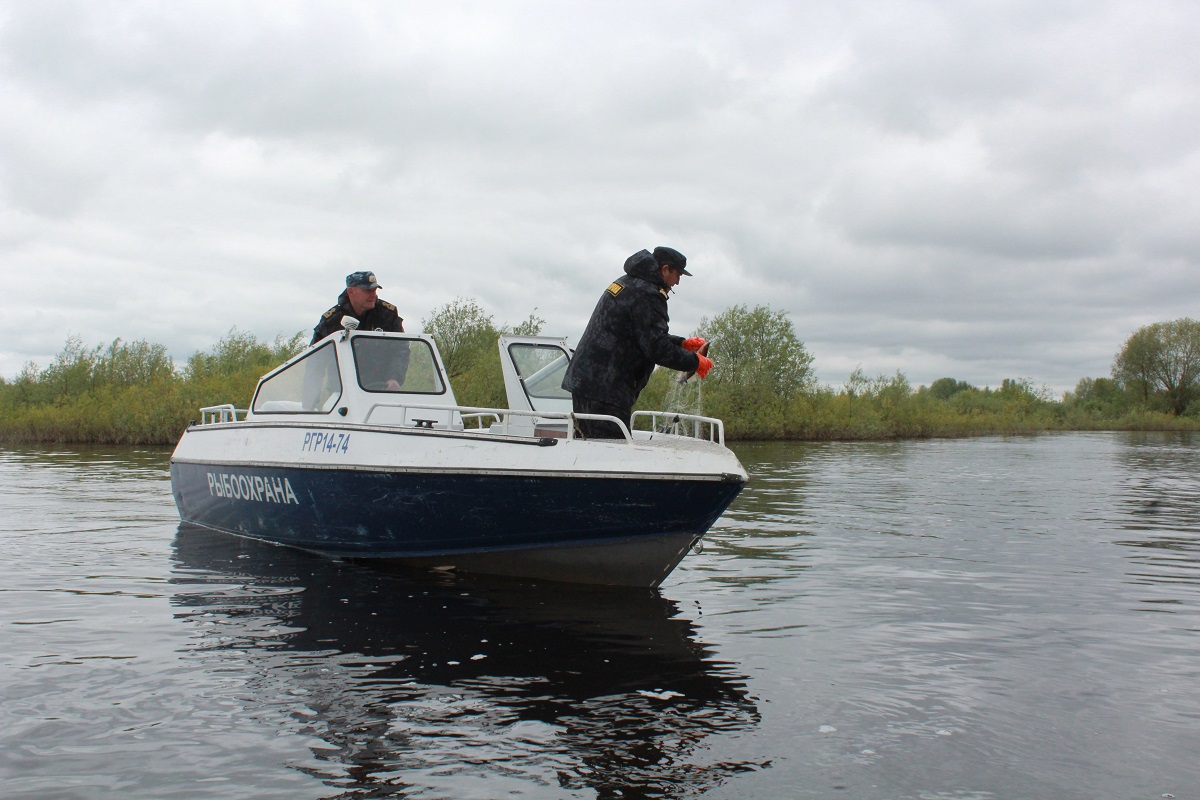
(626, 336)
(361, 301)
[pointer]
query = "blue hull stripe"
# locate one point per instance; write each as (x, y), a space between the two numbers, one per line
(407, 515)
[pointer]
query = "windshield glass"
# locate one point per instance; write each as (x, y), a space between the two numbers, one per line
(396, 365)
(310, 384)
(540, 368)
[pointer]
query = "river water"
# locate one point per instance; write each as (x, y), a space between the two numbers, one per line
(981, 618)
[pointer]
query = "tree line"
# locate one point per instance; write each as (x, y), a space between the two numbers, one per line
(763, 386)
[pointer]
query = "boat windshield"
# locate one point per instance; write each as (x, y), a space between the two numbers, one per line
(540, 368)
(405, 366)
(310, 384)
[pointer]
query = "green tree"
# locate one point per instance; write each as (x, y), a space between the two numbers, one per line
(131, 363)
(466, 336)
(70, 373)
(239, 352)
(1099, 397)
(1162, 357)
(757, 347)
(855, 386)
(26, 387)
(532, 326)
(1134, 365)
(892, 390)
(761, 369)
(945, 388)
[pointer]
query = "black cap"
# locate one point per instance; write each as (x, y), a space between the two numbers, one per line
(363, 280)
(668, 257)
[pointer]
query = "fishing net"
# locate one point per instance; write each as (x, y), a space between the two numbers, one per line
(683, 397)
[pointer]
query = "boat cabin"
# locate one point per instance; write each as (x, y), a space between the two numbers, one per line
(365, 377)
(375, 377)
(399, 379)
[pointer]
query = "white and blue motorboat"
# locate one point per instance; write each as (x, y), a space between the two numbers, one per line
(357, 448)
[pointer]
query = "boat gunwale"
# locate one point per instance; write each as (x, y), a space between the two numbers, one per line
(655, 439)
(476, 434)
(711, 477)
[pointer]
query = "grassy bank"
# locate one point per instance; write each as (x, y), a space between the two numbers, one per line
(132, 393)
(900, 412)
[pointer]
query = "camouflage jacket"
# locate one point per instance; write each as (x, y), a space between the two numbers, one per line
(383, 317)
(625, 337)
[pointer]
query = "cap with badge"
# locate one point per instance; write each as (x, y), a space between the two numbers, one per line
(363, 280)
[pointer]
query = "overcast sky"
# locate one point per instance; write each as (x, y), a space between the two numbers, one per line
(976, 190)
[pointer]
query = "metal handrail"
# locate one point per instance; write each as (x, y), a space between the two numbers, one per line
(465, 413)
(716, 428)
(602, 418)
(502, 416)
(214, 415)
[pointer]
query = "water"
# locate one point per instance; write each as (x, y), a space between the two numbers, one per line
(982, 618)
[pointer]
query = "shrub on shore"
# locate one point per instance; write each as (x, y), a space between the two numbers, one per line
(132, 392)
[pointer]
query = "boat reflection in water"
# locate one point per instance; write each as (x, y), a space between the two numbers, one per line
(405, 681)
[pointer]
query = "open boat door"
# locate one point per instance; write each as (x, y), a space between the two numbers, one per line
(533, 368)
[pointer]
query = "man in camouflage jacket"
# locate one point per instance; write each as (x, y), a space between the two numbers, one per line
(361, 301)
(625, 338)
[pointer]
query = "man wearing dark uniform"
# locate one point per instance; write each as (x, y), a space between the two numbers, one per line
(361, 301)
(625, 338)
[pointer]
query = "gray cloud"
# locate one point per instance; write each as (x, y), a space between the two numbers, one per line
(974, 190)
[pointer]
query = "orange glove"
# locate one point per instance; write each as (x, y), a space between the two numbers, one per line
(694, 344)
(705, 365)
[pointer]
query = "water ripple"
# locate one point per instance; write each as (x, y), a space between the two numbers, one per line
(986, 618)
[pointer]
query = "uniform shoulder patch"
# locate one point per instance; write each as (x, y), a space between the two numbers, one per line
(387, 305)
(614, 288)
(331, 312)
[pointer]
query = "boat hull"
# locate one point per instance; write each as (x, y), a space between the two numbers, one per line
(606, 529)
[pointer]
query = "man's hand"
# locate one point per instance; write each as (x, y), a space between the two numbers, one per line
(705, 365)
(694, 344)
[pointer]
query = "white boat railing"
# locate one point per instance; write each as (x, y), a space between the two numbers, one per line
(688, 425)
(692, 425)
(495, 420)
(212, 415)
(503, 420)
